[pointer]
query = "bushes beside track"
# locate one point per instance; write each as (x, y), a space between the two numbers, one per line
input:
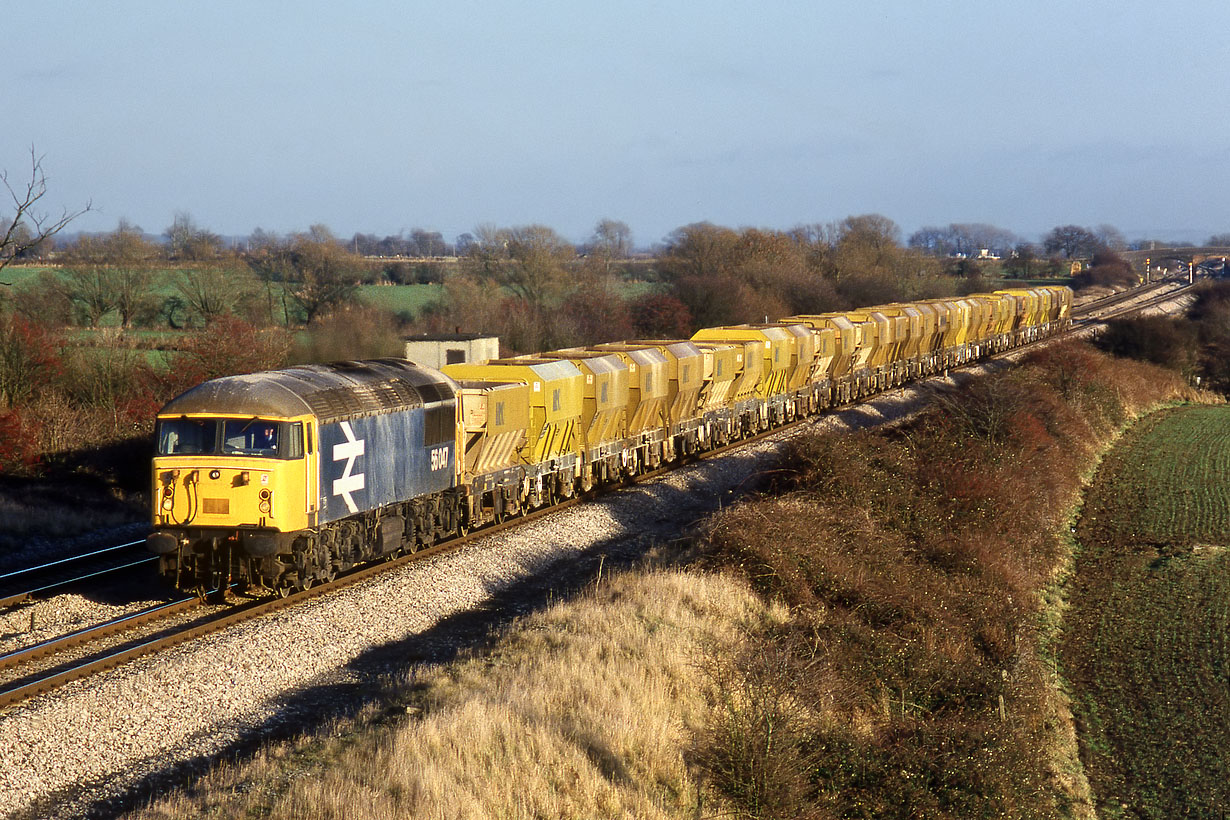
(910, 678)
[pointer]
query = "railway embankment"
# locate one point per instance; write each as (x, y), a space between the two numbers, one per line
(865, 636)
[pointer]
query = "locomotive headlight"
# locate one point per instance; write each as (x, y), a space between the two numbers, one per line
(166, 503)
(266, 503)
(214, 475)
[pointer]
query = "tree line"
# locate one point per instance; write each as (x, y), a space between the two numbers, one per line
(73, 372)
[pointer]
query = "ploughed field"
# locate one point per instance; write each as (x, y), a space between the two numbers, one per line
(1147, 642)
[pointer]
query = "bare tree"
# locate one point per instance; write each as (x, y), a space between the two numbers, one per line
(1072, 241)
(611, 240)
(1110, 237)
(112, 272)
(189, 242)
(531, 261)
(30, 226)
(316, 270)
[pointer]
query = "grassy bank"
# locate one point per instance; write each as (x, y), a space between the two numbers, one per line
(585, 710)
(1146, 650)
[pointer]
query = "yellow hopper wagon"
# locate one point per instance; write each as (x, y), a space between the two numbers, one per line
(747, 411)
(648, 392)
(550, 462)
(685, 374)
(604, 413)
(723, 365)
(772, 348)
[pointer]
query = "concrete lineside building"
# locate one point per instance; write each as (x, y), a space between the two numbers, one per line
(438, 349)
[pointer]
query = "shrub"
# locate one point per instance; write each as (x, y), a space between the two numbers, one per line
(19, 444)
(225, 347)
(1161, 340)
(1107, 269)
(29, 358)
(912, 562)
(660, 316)
(350, 333)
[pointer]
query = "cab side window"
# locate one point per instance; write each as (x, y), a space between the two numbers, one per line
(292, 442)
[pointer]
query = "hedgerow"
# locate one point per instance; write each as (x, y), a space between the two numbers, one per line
(913, 562)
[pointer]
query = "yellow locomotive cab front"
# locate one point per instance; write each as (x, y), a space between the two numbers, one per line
(234, 474)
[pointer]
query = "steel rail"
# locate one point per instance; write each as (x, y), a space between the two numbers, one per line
(87, 634)
(20, 597)
(69, 559)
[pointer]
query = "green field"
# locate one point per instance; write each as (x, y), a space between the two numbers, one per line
(1146, 650)
(400, 299)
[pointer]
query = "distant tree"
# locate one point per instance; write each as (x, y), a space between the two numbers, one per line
(611, 240)
(1072, 241)
(111, 272)
(315, 270)
(590, 315)
(262, 241)
(209, 290)
(699, 262)
(933, 240)
(1023, 262)
(724, 276)
(963, 239)
(428, 243)
(1219, 240)
(872, 230)
(28, 227)
(530, 261)
(186, 241)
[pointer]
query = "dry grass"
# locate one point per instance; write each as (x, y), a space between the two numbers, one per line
(586, 710)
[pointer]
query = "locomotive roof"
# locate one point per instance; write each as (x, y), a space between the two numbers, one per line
(332, 392)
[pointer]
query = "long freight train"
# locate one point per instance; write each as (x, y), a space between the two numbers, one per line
(280, 479)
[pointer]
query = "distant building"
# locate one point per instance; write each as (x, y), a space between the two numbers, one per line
(438, 349)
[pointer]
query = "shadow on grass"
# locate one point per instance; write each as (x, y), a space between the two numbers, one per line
(363, 683)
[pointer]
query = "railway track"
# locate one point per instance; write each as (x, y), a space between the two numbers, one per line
(1127, 304)
(21, 585)
(35, 670)
(1099, 307)
(41, 668)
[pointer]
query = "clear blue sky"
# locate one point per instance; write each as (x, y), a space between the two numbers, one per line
(381, 117)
